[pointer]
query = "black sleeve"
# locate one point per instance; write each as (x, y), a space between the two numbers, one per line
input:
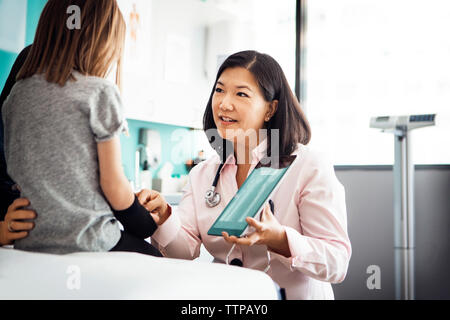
(136, 220)
(20, 60)
(7, 195)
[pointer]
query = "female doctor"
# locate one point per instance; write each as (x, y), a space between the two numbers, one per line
(303, 244)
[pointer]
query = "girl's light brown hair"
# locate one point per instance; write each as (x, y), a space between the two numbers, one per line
(57, 50)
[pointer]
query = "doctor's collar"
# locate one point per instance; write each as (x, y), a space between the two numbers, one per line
(258, 153)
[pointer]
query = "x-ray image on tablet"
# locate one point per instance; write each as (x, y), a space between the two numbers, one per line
(251, 197)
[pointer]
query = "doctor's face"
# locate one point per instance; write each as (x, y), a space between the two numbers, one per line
(238, 105)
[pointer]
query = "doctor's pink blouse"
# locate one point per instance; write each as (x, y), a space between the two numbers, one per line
(309, 203)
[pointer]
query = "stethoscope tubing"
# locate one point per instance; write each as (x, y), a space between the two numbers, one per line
(212, 198)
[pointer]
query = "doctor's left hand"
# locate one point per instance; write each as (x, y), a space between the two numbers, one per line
(268, 232)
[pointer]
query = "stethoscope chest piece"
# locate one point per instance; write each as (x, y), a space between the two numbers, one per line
(212, 197)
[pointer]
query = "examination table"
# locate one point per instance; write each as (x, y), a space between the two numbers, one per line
(124, 275)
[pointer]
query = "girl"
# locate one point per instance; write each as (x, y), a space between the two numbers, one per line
(304, 241)
(62, 121)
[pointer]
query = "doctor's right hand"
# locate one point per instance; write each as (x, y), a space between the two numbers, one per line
(12, 228)
(155, 203)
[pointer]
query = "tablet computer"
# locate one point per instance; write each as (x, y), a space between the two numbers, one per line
(250, 199)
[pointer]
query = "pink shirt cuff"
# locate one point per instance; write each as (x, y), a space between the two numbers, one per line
(297, 244)
(167, 232)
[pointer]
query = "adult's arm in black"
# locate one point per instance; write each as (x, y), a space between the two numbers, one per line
(20, 60)
(7, 195)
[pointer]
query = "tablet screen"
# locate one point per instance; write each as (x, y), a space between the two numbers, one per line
(251, 197)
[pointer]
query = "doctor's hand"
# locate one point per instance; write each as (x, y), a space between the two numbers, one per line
(155, 203)
(268, 232)
(13, 228)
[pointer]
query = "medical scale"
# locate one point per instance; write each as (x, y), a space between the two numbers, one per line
(404, 245)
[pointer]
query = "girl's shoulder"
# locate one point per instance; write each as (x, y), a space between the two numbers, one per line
(92, 82)
(93, 90)
(81, 86)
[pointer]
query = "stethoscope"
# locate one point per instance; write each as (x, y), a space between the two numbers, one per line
(212, 199)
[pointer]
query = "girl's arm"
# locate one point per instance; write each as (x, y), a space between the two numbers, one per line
(113, 181)
(117, 190)
(107, 122)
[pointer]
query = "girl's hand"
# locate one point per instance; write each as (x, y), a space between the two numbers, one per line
(12, 228)
(155, 203)
(268, 232)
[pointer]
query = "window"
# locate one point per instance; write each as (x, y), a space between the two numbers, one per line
(373, 58)
(173, 49)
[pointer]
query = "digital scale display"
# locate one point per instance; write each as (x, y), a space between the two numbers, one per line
(422, 117)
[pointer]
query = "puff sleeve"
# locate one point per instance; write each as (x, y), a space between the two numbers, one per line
(106, 113)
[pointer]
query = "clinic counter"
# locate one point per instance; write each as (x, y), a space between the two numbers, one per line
(173, 198)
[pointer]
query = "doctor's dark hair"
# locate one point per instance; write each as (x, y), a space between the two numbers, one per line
(289, 118)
